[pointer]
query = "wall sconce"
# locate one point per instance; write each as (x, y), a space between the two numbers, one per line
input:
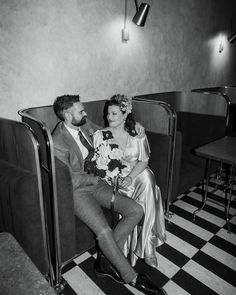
(221, 47)
(125, 31)
(139, 19)
(141, 13)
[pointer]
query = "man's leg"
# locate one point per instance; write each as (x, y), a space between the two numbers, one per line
(89, 211)
(129, 209)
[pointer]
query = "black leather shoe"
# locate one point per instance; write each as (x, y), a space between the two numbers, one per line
(103, 268)
(145, 285)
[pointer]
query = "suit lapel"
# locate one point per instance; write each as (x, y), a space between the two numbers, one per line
(71, 142)
(86, 132)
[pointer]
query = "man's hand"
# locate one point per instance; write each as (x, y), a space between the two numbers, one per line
(95, 180)
(139, 129)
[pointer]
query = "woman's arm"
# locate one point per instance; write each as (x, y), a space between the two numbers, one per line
(138, 168)
(143, 158)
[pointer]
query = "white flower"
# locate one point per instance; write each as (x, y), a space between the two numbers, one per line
(104, 150)
(113, 173)
(116, 154)
(94, 157)
(102, 163)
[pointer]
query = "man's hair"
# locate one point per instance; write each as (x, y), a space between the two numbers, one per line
(63, 103)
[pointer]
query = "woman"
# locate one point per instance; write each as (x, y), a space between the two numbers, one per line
(119, 151)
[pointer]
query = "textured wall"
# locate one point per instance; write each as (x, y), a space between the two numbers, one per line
(53, 47)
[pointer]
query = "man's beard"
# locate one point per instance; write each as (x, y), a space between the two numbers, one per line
(78, 123)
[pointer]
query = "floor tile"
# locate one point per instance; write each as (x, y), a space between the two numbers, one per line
(81, 283)
(191, 227)
(220, 255)
(180, 245)
(209, 279)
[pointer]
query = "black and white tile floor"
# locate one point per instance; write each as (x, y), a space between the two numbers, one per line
(197, 258)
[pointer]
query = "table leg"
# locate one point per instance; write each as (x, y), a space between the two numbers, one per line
(204, 190)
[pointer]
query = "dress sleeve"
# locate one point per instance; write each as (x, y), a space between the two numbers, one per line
(144, 149)
(97, 138)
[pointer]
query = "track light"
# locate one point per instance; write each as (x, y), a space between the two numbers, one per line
(141, 13)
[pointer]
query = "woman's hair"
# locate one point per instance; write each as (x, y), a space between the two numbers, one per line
(125, 105)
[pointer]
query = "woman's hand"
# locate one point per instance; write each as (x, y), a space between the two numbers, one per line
(139, 129)
(125, 182)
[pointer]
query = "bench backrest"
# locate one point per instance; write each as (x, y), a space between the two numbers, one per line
(195, 111)
(194, 102)
(157, 118)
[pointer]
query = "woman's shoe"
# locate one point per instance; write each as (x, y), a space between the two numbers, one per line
(150, 255)
(151, 261)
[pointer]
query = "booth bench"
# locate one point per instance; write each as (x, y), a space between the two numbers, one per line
(202, 117)
(69, 236)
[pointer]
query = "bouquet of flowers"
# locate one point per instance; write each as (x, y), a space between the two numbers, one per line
(105, 160)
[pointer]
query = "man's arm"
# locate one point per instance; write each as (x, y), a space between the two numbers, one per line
(79, 177)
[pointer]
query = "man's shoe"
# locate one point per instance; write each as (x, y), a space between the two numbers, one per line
(103, 268)
(145, 285)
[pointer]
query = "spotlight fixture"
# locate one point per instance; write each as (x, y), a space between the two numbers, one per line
(141, 13)
(232, 38)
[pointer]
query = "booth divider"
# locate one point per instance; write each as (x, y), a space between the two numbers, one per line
(22, 208)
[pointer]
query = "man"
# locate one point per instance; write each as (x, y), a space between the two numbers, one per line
(72, 142)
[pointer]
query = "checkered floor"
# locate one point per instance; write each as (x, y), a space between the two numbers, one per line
(198, 257)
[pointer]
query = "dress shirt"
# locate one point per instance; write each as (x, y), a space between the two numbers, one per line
(75, 135)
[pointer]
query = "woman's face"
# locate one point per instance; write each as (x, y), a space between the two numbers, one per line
(115, 116)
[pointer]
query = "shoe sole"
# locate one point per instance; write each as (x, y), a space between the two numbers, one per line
(103, 275)
(143, 291)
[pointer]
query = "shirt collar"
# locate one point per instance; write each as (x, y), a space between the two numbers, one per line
(73, 132)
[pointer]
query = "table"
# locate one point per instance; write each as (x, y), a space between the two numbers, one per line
(224, 151)
(18, 274)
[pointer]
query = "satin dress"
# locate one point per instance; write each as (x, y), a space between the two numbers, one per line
(145, 191)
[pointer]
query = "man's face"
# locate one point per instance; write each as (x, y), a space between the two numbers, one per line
(78, 114)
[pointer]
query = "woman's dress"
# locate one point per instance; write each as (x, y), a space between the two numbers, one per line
(145, 191)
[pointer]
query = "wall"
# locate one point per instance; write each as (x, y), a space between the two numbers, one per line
(52, 47)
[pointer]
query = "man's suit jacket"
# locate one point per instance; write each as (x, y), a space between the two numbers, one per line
(68, 151)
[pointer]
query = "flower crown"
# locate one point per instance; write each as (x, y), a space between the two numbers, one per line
(125, 103)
